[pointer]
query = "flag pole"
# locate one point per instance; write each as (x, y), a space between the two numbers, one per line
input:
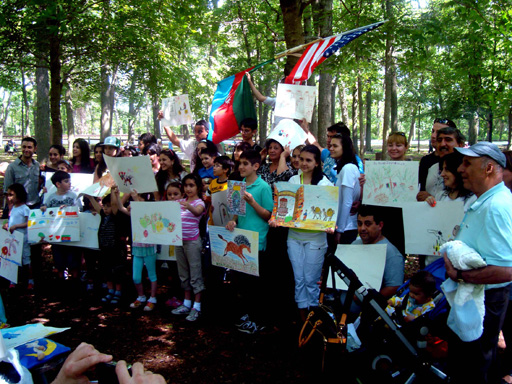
(296, 49)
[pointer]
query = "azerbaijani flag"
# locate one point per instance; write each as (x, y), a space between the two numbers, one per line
(232, 102)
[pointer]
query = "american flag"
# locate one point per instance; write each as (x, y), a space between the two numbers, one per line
(316, 53)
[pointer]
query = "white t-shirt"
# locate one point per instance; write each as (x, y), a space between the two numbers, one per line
(434, 183)
(350, 191)
(19, 215)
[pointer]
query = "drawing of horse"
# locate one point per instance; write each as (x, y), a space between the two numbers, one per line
(237, 246)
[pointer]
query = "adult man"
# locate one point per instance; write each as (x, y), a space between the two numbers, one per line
(486, 228)
(447, 139)
(145, 140)
(369, 226)
(189, 146)
(432, 158)
(25, 171)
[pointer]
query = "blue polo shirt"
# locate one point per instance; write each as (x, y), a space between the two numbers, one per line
(262, 194)
(487, 228)
(329, 164)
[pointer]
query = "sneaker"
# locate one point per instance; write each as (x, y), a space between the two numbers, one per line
(242, 320)
(115, 300)
(250, 327)
(149, 307)
(181, 310)
(107, 298)
(136, 304)
(193, 315)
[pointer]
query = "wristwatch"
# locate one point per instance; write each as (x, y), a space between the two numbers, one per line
(460, 279)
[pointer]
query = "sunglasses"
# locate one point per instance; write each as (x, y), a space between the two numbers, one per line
(397, 133)
(445, 121)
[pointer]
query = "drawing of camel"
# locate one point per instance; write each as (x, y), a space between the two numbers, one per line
(317, 212)
(237, 247)
(328, 214)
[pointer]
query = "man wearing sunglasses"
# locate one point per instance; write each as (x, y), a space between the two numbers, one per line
(432, 158)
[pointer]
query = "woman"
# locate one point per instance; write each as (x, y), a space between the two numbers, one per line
(397, 146)
(55, 154)
(170, 170)
(239, 149)
(111, 149)
(342, 150)
(98, 152)
(81, 160)
(453, 184)
(153, 152)
(129, 151)
(278, 168)
(296, 157)
(306, 249)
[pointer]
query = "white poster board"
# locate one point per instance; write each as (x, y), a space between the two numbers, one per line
(288, 133)
(295, 101)
(55, 225)
(426, 228)
(79, 183)
(220, 208)
(157, 222)
(132, 173)
(176, 111)
(236, 250)
(366, 260)
(167, 253)
(96, 190)
(11, 251)
(390, 182)
(89, 225)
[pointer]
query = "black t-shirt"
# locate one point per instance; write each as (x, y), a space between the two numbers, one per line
(425, 163)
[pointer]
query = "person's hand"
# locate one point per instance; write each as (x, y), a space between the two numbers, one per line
(330, 231)
(355, 207)
(286, 152)
(337, 237)
(42, 167)
(83, 358)
(272, 223)
(362, 180)
(304, 125)
(44, 190)
(422, 195)
(263, 153)
(249, 198)
(12, 228)
(139, 375)
(249, 77)
(451, 272)
(160, 115)
(42, 208)
(231, 225)
(431, 201)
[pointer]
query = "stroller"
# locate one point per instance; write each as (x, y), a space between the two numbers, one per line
(390, 351)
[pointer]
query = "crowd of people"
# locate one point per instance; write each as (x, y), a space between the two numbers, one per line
(287, 258)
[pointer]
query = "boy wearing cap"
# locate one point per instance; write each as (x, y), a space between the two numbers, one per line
(111, 146)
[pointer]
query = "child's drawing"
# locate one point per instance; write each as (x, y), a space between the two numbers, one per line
(220, 208)
(156, 222)
(236, 190)
(89, 225)
(237, 250)
(295, 101)
(132, 173)
(55, 225)
(288, 133)
(305, 206)
(390, 182)
(10, 254)
(426, 228)
(176, 111)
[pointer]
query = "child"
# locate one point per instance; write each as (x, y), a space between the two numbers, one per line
(207, 158)
(188, 256)
(142, 254)
(174, 191)
(112, 258)
(64, 257)
(259, 200)
(18, 221)
(421, 289)
(63, 165)
(222, 167)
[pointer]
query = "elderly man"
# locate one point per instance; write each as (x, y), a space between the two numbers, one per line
(447, 139)
(487, 228)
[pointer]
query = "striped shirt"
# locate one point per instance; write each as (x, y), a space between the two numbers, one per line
(189, 221)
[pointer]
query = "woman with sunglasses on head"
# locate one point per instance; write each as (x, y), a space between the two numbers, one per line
(397, 146)
(171, 170)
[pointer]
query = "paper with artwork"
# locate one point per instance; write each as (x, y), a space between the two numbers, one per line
(156, 222)
(132, 173)
(55, 225)
(11, 251)
(176, 110)
(295, 101)
(305, 206)
(236, 203)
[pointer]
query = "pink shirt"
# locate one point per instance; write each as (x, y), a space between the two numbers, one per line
(189, 221)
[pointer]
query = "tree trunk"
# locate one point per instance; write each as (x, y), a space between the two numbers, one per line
(70, 117)
(313, 127)
(490, 126)
(108, 86)
(368, 147)
(388, 78)
(55, 90)
(355, 138)
(42, 117)
(343, 103)
(474, 125)
(411, 127)
(293, 31)
(156, 108)
(133, 109)
(5, 114)
(334, 86)
(509, 127)
(25, 117)
(361, 114)
(394, 98)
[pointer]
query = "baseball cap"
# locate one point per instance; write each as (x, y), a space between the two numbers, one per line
(113, 141)
(485, 148)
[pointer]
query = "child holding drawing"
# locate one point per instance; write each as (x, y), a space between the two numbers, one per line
(306, 248)
(188, 256)
(18, 221)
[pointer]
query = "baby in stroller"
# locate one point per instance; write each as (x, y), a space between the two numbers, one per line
(419, 301)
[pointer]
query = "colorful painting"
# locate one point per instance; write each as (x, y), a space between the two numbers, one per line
(220, 208)
(295, 101)
(89, 225)
(16, 336)
(131, 173)
(157, 222)
(55, 225)
(236, 203)
(176, 111)
(426, 228)
(390, 182)
(312, 207)
(79, 183)
(237, 250)
(11, 254)
(288, 133)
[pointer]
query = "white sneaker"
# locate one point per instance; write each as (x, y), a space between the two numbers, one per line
(193, 315)
(181, 310)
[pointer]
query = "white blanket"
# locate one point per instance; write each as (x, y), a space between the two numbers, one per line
(467, 312)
